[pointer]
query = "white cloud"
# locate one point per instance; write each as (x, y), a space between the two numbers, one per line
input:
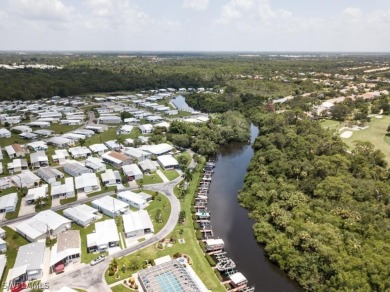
(352, 12)
(3, 17)
(46, 10)
(196, 4)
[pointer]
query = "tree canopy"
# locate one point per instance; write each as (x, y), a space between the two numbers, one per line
(321, 212)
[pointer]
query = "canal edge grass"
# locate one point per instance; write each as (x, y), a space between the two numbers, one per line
(191, 246)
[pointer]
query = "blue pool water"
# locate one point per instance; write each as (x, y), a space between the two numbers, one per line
(168, 283)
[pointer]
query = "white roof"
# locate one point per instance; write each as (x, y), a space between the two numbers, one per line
(40, 223)
(98, 147)
(79, 150)
(135, 152)
(105, 231)
(109, 203)
(211, 242)
(88, 179)
(131, 169)
(237, 278)
(62, 189)
(36, 144)
(9, 200)
(127, 128)
(82, 213)
(133, 197)
(137, 221)
(61, 153)
(38, 156)
(167, 160)
(157, 149)
(38, 192)
(59, 140)
(146, 127)
(25, 178)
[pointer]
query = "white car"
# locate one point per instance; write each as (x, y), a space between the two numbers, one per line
(99, 259)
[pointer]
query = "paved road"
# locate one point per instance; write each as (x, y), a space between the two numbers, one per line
(91, 278)
(57, 208)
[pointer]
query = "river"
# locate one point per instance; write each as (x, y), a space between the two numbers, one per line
(231, 223)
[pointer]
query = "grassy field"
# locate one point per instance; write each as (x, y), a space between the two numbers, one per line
(61, 129)
(14, 139)
(110, 134)
(13, 240)
(375, 133)
(153, 178)
(171, 174)
(190, 247)
(160, 202)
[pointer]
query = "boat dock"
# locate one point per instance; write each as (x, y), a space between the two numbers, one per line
(215, 247)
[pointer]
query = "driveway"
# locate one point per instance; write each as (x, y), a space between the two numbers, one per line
(91, 278)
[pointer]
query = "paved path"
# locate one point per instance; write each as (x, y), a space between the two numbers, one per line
(57, 208)
(91, 278)
(162, 175)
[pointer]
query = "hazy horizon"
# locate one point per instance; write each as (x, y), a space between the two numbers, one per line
(195, 26)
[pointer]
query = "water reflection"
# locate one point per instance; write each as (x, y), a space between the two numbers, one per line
(231, 223)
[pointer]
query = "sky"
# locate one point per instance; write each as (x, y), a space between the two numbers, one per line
(195, 25)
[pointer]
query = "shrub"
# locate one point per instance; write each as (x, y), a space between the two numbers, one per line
(210, 260)
(199, 235)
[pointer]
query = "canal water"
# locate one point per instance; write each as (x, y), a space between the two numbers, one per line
(231, 223)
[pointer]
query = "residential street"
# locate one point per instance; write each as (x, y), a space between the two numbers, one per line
(91, 278)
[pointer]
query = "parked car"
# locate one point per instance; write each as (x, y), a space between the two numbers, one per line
(99, 259)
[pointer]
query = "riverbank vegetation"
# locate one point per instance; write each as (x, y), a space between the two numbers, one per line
(321, 212)
(205, 138)
(183, 231)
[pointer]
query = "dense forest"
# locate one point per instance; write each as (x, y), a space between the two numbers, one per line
(205, 138)
(88, 73)
(321, 212)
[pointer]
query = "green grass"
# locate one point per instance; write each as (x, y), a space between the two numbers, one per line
(375, 133)
(13, 215)
(120, 288)
(14, 241)
(331, 124)
(85, 256)
(61, 129)
(160, 202)
(171, 174)
(110, 134)
(14, 139)
(153, 178)
(190, 247)
(104, 190)
(68, 200)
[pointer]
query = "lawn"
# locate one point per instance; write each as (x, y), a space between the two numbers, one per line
(110, 134)
(85, 256)
(14, 241)
(120, 288)
(331, 124)
(160, 202)
(14, 139)
(61, 129)
(104, 190)
(68, 200)
(190, 247)
(171, 174)
(375, 133)
(153, 178)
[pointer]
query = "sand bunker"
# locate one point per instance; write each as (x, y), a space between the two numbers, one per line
(346, 134)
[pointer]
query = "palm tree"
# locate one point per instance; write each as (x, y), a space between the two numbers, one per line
(187, 175)
(120, 140)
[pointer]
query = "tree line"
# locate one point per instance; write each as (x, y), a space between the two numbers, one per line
(321, 212)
